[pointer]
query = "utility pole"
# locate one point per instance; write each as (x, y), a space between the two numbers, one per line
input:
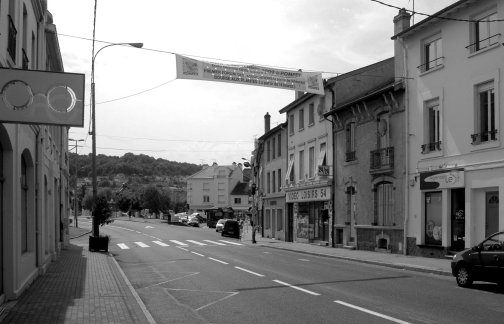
(76, 177)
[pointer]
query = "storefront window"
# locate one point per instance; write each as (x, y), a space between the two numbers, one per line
(433, 219)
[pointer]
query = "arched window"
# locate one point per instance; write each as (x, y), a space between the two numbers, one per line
(24, 205)
(384, 203)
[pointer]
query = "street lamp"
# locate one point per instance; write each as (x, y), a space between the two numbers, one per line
(76, 176)
(96, 230)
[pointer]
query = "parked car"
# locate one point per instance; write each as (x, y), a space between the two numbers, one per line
(231, 228)
(483, 262)
(220, 225)
(193, 221)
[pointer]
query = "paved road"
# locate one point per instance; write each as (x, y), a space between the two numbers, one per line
(193, 275)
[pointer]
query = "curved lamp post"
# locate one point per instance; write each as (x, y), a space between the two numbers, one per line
(96, 230)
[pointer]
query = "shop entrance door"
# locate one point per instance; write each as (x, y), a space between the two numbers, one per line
(458, 219)
(491, 213)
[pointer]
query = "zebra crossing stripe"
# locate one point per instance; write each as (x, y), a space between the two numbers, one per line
(160, 243)
(213, 242)
(196, 242)
(141, 244)
(123, 246)
(229, 242)
(179, 243)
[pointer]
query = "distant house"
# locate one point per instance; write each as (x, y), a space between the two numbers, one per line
(212, 187)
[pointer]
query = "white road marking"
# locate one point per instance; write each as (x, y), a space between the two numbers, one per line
(213, 242)
(298, 288)
(218, 260)
(123, 246)
(251, 272)
(139, 232)
(178, 242)
(197, 253)
(304, 260)
(182, 248)
(160, 243)
(196, 242)
(141, 244)
(231, 242)
(371, 312)
(267, 252)
(149, 227)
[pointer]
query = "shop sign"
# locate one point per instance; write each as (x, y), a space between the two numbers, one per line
(442, 179)
(313, 194)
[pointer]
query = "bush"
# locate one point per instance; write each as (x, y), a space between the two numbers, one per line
(102, 211)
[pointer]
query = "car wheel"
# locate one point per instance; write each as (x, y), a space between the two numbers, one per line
(463, 276)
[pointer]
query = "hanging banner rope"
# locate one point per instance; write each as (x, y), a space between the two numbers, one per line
(188, 68)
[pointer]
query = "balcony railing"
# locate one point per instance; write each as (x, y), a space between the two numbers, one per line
(350, 156)
(431, 64)
(430, 147)
(382, 159)
(484, 137)
(25, 60)
(11, 43)
(483, 43)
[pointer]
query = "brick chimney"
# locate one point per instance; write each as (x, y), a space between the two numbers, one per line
(267, 121)
(401, 23)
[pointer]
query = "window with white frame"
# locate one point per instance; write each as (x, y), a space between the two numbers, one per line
(268, 182)
(301, 165)
(350, 141)
(301, 119)
(289, 176)
(485, 118)
(206, 199)
(237, 201)
(279, 145)
(273, 181)
(484, 31)
(432, 126)
(279, 175)
(311, 114)
(432, 53)
(311, 162)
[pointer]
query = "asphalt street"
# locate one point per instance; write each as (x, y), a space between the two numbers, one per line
(194, 275)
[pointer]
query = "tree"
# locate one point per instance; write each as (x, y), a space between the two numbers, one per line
(124, 203)
(152, 200)
(87, 202)
(102, 211)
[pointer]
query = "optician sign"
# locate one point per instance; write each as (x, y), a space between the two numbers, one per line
(313, 194)
(442, 179)
(41, 97)
(188, 68)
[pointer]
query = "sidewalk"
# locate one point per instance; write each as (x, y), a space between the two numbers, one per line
(398, 261)
(80, 287)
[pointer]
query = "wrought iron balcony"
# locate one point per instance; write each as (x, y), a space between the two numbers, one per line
(11, 43)
(430, 147)
(382, 160)
(484, 137)
(350, 156)
(483, 43)
(431, 64)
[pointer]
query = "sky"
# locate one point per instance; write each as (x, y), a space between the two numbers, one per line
(142, 108)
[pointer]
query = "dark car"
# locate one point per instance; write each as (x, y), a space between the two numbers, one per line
(231, 228)
(483, 262)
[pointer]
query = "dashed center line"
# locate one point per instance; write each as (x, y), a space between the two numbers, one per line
(218, 260)
(197, 253)
(298, 288)
(251, 272)
(371, 312)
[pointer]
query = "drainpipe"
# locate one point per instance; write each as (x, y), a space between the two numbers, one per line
(333, 102)
(37, 190)
(407, 147)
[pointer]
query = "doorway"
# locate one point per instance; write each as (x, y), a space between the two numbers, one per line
(458, 219)
(290, 223)
(491, 213)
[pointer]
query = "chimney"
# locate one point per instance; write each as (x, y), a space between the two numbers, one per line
(401, 23)
(267, 125)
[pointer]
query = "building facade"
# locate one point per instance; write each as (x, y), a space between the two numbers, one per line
(34, 178)
(212, 187)
(272, 167)
(455, 167)
(369, 148)
(308, 178)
